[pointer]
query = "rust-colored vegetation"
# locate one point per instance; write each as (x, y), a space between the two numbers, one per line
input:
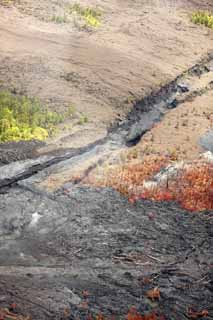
(133, 314)
(128, 179)
(191, 186)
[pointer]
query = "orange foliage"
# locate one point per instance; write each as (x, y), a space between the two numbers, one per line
(128, 178)
(195, 315)
(192, 188)
(153, 294)
(100, 317)
(134, 315)
(6, 314)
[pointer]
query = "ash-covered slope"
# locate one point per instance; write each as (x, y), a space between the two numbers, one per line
(54, 247)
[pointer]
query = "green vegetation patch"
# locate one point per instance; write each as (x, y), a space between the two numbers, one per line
(22, 118)
(83, 119)
(91, 16)
(203, 18)
(6, 2)
(59, 19)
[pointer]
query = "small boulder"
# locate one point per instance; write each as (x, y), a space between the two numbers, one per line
(172, 103)
(183, 87)
(206, 141)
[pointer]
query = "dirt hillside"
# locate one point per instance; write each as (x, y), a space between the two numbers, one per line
(138, 47)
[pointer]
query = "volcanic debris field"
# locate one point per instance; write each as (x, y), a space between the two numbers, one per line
(79, 237)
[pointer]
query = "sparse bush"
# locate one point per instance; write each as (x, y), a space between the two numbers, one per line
(128, 179)
(203, 18)
(191, 185)
(59, 19)
(82, 120)
(22, 118)
(91, 16)
(71, 110)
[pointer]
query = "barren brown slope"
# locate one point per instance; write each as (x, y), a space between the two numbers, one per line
(138, 47)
